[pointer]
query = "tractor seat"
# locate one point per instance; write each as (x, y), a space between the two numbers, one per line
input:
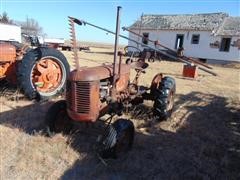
(139, 65)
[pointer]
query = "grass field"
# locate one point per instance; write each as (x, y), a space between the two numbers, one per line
(200, 141)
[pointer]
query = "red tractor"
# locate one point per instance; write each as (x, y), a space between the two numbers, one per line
(40, 72)
(93, 92)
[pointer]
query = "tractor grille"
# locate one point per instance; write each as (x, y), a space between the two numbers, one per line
(69, 94)
(82, 93)
(78, 96)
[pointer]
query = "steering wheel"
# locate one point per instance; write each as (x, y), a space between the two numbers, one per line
(126, 50)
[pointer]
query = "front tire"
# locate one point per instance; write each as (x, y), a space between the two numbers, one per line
(164, 98)
(119, 139)
(42, 73)
(57, 119)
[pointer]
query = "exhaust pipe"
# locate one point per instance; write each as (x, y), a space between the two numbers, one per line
(115, 75)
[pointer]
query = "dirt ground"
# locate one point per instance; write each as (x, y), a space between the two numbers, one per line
(200, 141)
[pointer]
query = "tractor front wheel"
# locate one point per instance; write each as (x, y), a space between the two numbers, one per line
(42, 73)
(118, 140)
(57, 119)
(164, 98)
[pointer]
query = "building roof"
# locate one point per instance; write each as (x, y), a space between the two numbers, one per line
(230, 26)
(206, 22)
(7, 24)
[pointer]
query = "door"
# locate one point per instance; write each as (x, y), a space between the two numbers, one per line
(179, 41)
(225, 44)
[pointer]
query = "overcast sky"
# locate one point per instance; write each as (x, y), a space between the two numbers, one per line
(52, 14)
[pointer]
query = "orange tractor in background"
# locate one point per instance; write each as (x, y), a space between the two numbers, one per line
(40, 72)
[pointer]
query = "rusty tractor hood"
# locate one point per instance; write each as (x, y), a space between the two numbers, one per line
(7, 52)
(96, 73)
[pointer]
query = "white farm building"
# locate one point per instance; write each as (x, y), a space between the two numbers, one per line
(212, 37)
(10, 33)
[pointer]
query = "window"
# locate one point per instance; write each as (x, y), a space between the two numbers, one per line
(195, 38)
(179, 41)
(145, 38)
(225, 44)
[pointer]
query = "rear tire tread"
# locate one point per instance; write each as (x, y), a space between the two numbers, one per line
(26, 64)
(166, 87)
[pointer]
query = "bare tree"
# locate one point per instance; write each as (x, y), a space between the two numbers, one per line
(5, 19)
(31, 27)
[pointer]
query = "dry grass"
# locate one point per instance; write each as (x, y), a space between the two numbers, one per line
(200, 141)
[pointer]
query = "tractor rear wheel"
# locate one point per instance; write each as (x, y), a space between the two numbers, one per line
(164, 98)
(42, 73)
(118, 140)
(57, 119)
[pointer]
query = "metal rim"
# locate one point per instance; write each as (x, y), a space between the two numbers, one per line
(48, 75)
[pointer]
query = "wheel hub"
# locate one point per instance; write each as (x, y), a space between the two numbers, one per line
(46, 75)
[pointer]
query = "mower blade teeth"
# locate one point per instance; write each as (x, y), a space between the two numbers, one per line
(73, 42)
